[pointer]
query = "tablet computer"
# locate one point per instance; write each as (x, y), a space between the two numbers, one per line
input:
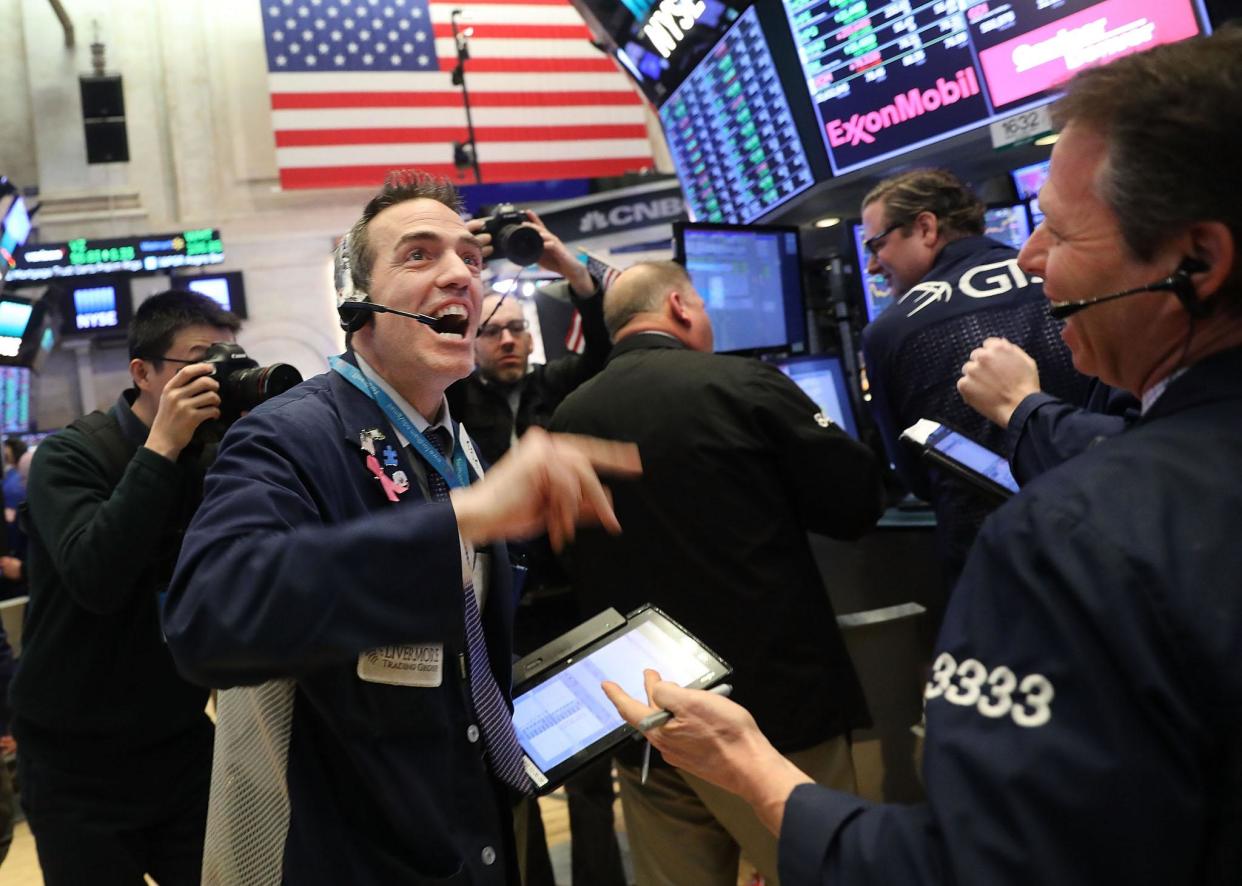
(564, 721)
(984, 469)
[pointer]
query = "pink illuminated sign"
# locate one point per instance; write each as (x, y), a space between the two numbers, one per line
(1042, 59)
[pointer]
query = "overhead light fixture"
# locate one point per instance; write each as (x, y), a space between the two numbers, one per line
(1049, 139)
(828, 222)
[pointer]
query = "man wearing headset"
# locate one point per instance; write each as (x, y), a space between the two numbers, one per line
(1084, 709)
(348, 564)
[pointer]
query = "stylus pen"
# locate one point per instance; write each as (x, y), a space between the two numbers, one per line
(659, 718)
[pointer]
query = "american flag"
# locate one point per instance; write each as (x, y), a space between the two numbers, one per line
(360, 87)
(603, 272)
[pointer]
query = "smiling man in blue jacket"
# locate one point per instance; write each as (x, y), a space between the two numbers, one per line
(348, 562)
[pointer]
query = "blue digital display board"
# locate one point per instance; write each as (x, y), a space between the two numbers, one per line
(731, 133)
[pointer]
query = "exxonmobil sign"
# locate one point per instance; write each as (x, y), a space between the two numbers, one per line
(862, 128)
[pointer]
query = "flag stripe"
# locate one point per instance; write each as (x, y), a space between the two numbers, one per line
(355, 176)
(363, 82)
(527, 31)
(517, 14)
(329, 100)
(405, 118)
(520, 48)
(523, 65)
(456, 4)
(416, 153)
(323, 137)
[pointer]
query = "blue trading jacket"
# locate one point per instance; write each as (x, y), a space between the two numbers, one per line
(295, 565)
(1085, 705)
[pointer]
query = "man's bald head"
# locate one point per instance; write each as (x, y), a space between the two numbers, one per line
(658, 296)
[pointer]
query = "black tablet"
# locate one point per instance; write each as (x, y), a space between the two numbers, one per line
(986, 470)
(562, 717)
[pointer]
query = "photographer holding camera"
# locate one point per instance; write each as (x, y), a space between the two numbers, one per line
(501, 398)
(497, 403)
(114, 747)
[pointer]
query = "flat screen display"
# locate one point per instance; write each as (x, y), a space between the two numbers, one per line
(227, 290)
(983, 461)
(562, 717)
(94, 307)
(100, 305)
(660, 41)
(1027, 180)
(14, 399)
(731, 133)
(14, 229)
(877, 294)
(887, 77)
(751, 279)
(823, 379)
(1008, 224)
(22, 329)
(14, 318)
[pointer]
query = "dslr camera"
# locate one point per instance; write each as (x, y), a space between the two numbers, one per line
(244, 384)
(512, 235)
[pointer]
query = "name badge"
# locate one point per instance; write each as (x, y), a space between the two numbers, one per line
(403, 665)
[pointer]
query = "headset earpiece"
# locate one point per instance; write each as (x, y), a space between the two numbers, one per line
(352, 315)
(1184, 288)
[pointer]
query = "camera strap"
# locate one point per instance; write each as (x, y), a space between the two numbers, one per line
(456, 473)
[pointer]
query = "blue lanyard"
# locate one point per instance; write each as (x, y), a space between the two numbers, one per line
(455, 474)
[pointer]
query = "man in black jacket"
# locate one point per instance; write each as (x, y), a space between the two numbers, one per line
(738, 465)
(114, 747)
(501, 398)
(497, 403)
(925, 236)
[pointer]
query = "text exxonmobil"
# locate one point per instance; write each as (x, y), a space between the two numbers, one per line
(862, 128)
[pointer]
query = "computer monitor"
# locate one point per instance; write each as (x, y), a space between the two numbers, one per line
(1027, 180)
(731, 132)
(227, 289)
(750, 276)
(22, 326)
(887, 78)
(14, 229)
(14, 400)
(878, 296)
(1008, 224)
(822, 377)
(98, 305)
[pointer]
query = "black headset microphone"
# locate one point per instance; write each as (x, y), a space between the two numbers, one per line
(354, 315)
(1178, 283)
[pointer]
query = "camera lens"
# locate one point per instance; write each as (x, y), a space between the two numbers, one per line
(521, 244)
(250, 387)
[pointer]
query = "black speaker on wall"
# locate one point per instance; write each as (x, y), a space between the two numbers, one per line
(103, 115)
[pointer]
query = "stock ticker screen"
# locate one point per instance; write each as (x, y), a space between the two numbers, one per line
(14, 399)
(886, 77)
(731, 133)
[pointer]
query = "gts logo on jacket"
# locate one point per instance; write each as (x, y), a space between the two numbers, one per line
(981, 281)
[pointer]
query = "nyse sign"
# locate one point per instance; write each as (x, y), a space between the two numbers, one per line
(670, 23)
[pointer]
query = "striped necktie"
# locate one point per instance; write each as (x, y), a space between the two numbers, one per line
(499, 739)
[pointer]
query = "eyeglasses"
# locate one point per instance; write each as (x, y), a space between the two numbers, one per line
(874, 244)
(491, 330)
